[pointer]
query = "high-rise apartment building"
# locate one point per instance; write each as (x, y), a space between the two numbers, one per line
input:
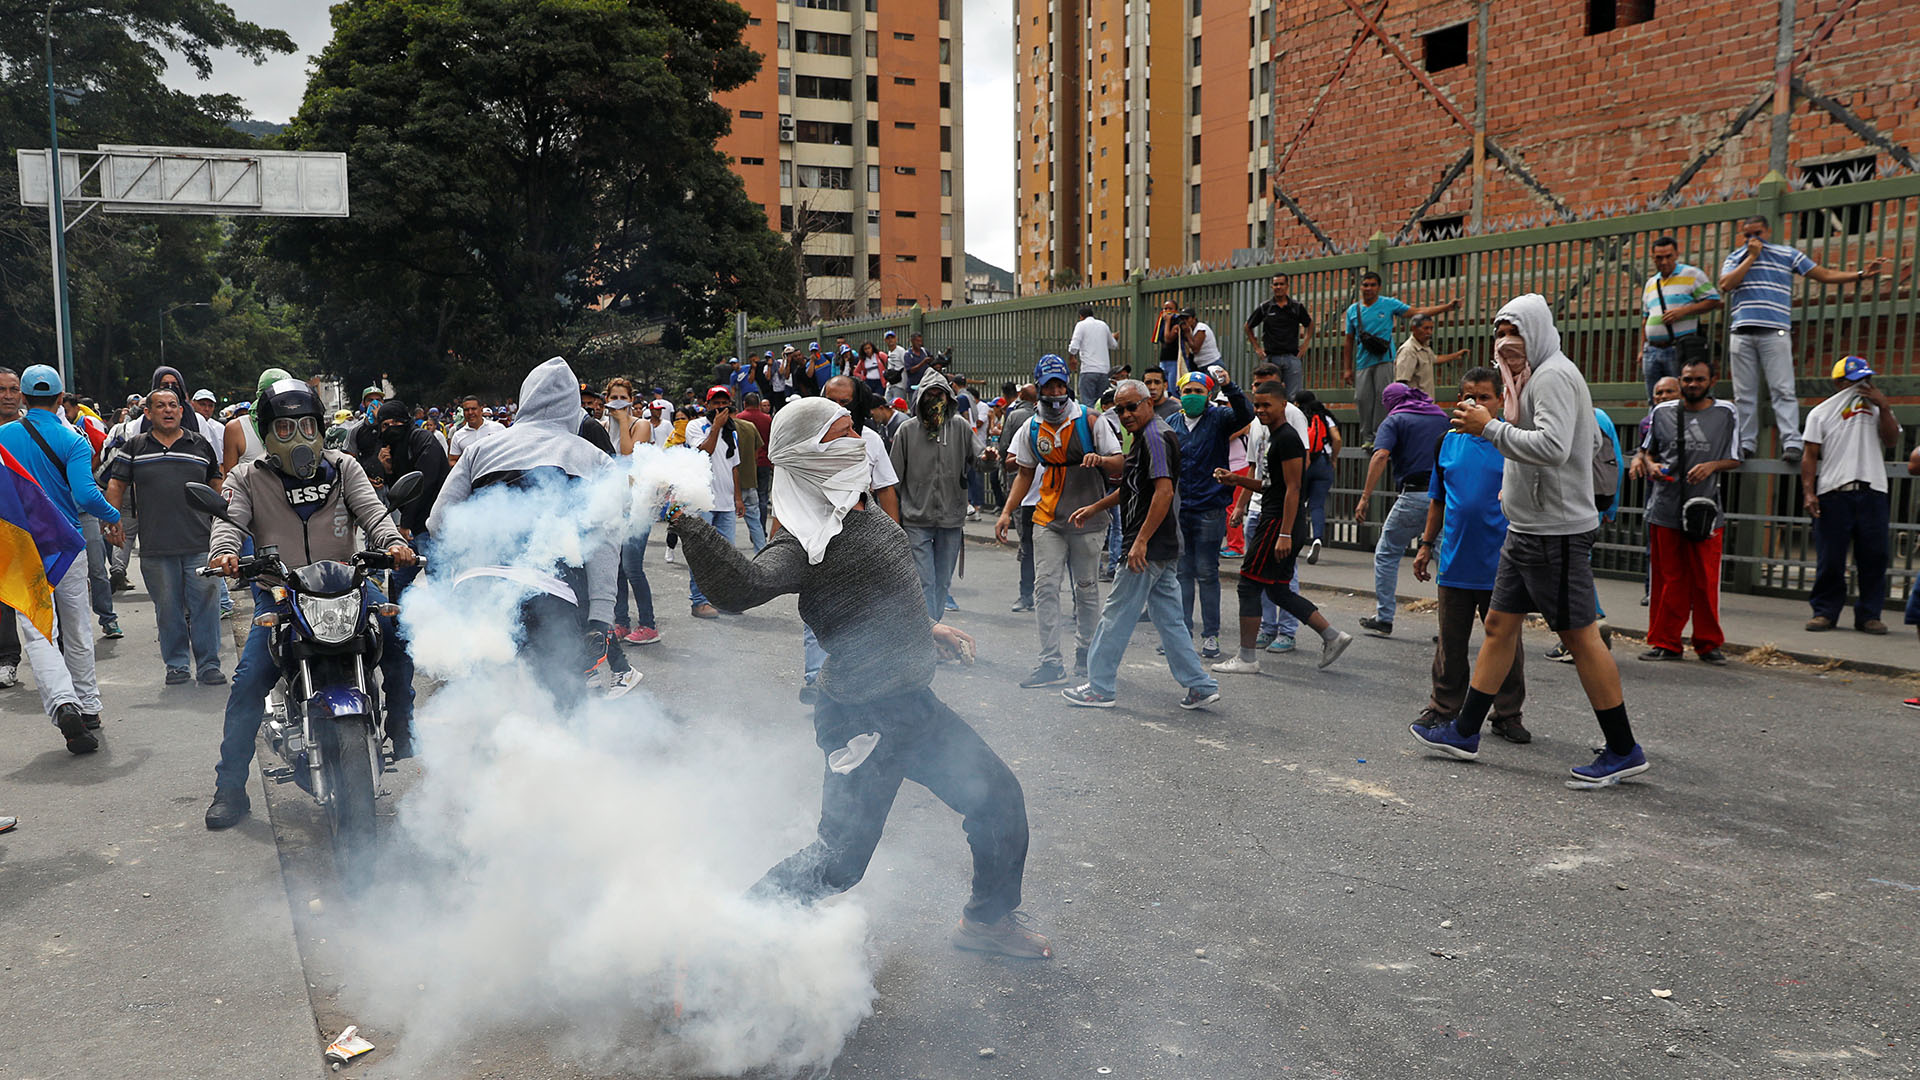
(850, 137)
(1144, 134)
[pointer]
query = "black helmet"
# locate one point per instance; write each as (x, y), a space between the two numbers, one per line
(289, 419)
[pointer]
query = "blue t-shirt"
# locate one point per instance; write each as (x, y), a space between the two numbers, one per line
(1466, 478)
(1410, 438)
(1378, 321)
(1765, 295)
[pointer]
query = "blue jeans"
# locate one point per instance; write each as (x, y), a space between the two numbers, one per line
(1315, 484)
(1274, 622)
(756, 519)
(722, 520)
(633, 575)
(1289, 373)
(186, 608)
(976, 487)
(1404, 522)
(1092, 385)
(1115, 538)
(99, 579)
(1658, 362)
(1155, 589)
(256, 674)
(935, 551)
(1201, 531)
(812, 655)
(1856, 520)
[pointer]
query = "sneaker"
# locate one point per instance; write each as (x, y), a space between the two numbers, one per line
(1199, 699)
(119, 582)
(1049, 673)
(1010, 936)
(951, 606)
(1611, 768)
(620, 631)
(705, 611)
(73, 727)
(177, 676)
(1232, 553)
(1645, 600)
(212, 677)
(1716, 657)
(1023, 604)
(1209, 648)
(1871, 626)
(809, 693)
(226, 610)
(229, 806)
(1087, 697)
(669, 556)
(1819, 623)
(9, 674)
(1561, 653)
(1512, 730)
(643, 635)
(1376, 626)
(1446, 739)
(1265, 639)
(110, 629)
(1658, 653)
(1331, 650)
(1080, 662)
(90, 721)
(1281, 644)
(618, 684)
(1791, 455)
(1313, 551)
(1233, 665)
(1912, 703)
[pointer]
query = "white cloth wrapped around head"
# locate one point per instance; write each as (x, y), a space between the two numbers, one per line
(814, 483)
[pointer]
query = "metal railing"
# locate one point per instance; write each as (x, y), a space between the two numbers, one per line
(1592, 272)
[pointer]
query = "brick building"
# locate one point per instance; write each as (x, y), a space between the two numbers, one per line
(850, 137)
(1124, 163)
(1447, 113)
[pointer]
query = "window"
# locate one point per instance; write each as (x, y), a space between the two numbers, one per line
(946, 10)
(901, 80)
(946, 269)
(820, 131)
(827, 265)
(906, 258)
(1194, 199)
(825, 176)
(873, 268)
(873, 133)
(753, 161)
(873, 88)
(946, 95)
(1446, 47)
(906, 213)
(1833, 220)
(1194, 108)
(904, 170)
(946, 182)
(822, 5)
(1196, 148)
(786, 81)
(1451, 227)
(823, 88)
(873, 178)
(1605, 15)
(900, 36)
(783, 35)
(786, 217)
(752, 21)
(946, 137)
(906, 125)
(946, 48)
(822, 43)
(1196, 50)
(946, 227)
(786, 174)
(873, 44)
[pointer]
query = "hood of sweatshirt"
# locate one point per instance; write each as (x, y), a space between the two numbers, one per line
(1531, 314)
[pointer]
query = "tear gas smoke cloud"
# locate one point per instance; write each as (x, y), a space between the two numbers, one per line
(582, 875)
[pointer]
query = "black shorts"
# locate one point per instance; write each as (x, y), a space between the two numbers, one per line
(1552, 575)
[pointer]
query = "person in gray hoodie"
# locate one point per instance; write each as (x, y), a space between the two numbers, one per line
(1548, 438)
(931, 453)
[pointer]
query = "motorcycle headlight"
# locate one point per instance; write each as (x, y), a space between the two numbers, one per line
(332, 618)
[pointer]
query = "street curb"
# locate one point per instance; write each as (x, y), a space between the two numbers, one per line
(1816, 660)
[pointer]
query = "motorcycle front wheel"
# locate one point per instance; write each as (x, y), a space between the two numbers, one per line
(348, 764)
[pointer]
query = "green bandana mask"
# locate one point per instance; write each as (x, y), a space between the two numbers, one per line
(1193, 405)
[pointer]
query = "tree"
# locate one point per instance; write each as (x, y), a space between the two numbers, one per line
(516, 166)
(123, 270)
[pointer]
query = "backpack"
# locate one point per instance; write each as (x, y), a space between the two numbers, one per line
(1606, 471)
(1080, 430)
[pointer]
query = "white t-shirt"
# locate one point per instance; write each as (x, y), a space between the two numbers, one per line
(724, 460)
(1104, 442)
(465, 436)
(897, 358)
(879, 462)
(1847, 427)
(1093, 342)
(872, 367)
(1209, 352)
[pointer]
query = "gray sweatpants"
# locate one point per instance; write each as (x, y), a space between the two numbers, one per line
(1751, 360)
(1368, 384)
(1055, 554)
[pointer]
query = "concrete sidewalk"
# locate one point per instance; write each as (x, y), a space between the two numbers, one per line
(138, 943)
(1750, 622)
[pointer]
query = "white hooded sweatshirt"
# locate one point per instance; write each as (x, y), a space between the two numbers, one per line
(1551, 435)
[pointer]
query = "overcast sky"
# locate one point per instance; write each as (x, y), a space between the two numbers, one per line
(273, 90)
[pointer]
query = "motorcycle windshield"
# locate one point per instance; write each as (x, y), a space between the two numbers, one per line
(324, 579)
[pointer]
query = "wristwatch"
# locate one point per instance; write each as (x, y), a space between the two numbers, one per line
(1424, 542)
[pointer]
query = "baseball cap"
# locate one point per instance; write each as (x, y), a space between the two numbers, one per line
(1049, 368)
(900, 403)
(784, 349)
(719, 391)
(486, 412)
(768, 355)
(39, 380)
(1852, 368)
(1198, 380)
(204, 394)
(890, 334)
(371, 391)
(813, 344)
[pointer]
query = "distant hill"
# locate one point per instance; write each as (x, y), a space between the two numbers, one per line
(1000, 279)
(259, 129)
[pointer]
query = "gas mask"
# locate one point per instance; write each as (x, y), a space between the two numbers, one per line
(1054, 408)
(294, 445)
(1193, 405)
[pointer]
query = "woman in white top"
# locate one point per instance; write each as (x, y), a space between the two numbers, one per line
(629, 431)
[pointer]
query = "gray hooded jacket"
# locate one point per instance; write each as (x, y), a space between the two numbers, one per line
(1550, 441)
(933, 465)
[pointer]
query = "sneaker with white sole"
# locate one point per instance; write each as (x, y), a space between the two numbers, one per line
(1209, 648)
(1313, 551)
(1199, 699)
(1608, 768)
(1281, 643)
(1444, 738)
(1012, 936)
(1087, 697)
(9, 675)
(1331, 650)
(617, 685)
(1233, 665)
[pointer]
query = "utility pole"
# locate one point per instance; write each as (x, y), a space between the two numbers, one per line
(57, 224)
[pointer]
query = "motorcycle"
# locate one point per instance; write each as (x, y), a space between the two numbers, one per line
(329, 724)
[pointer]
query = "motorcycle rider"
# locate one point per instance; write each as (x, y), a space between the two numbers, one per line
(307, 501)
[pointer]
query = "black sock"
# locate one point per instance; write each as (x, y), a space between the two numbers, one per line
(1613, 724)
(1473, 712)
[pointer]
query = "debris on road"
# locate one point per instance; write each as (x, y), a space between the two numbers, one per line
(1663, 994)
(1200, 953)
(348, 1046)
(986, 1052)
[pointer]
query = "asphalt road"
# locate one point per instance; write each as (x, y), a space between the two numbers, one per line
(1284, 885)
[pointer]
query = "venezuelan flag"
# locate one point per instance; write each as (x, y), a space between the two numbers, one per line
(37, 545)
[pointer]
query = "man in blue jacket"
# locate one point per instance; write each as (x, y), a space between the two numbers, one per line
(1204, 430)
(61, 460)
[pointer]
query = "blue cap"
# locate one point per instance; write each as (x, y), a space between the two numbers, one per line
(41, 381)
(1049, 368)
(813, 345)
(1850, 368)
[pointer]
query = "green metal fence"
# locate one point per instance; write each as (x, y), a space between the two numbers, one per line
(1592, 272)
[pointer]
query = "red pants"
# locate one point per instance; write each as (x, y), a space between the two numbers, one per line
(1686, 581)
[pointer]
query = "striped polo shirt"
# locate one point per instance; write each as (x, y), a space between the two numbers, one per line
(1765, 296)
(159, 475)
